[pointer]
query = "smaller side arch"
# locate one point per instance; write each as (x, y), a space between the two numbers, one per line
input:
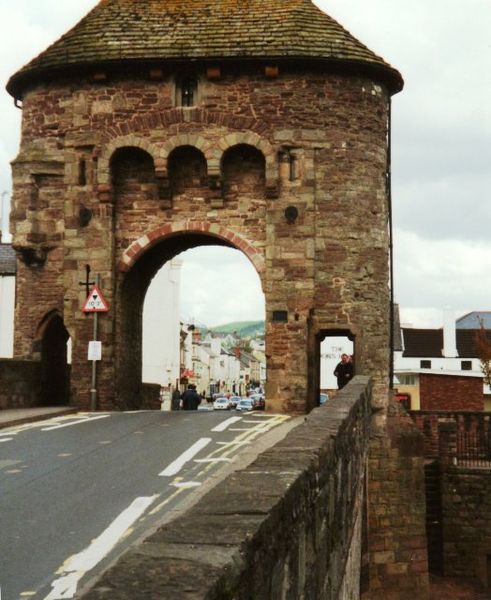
(249, 138)
(51, 339)
(104, 168)
(144, 243)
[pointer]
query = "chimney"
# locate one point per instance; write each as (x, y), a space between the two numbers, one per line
(449, 335)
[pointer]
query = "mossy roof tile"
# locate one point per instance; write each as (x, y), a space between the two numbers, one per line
(159, 30)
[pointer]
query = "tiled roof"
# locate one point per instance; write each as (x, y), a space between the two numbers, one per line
(8, 264)
(161, 30)
(423, 342)
(428, 343)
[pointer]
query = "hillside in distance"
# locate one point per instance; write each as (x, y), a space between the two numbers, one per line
(244, 329)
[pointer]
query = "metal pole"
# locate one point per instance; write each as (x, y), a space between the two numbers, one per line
(93, 388)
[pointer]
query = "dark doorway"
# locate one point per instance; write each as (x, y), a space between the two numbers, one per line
(55, 371)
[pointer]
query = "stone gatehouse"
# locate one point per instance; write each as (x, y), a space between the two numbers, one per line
(153, 127)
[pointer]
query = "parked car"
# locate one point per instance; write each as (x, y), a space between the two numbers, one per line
(258, 402)
(234, 400)
(323, 398)
(244, 404)
(221, 404)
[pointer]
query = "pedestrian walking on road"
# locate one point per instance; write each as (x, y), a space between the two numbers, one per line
(176, 399)
(190, 398)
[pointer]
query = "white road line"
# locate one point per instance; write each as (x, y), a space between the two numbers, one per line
(186, 484)
(5, 440)
(190, 453)
(226, 424)
(79, 422)
(78, 565)
(235, 442)
(212, 460)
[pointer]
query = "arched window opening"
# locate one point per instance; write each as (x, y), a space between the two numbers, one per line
(244, 171)
(187, 169)
(133, 177)
(336, 363)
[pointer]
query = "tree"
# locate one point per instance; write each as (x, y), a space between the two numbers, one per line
(482, 344)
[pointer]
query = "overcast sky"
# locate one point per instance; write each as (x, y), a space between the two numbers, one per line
(441, 155)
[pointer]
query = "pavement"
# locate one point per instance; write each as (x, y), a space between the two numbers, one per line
(11, 417)
(451, 588)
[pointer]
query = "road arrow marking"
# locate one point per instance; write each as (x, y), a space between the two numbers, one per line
(84, 420)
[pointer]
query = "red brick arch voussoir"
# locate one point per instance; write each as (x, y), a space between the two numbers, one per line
(131, 255)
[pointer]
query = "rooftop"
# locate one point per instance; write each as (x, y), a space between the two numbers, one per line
(125, 31)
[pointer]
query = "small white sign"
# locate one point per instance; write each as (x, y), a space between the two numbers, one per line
(95, 351)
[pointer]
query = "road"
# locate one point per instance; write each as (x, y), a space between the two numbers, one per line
(76, 491)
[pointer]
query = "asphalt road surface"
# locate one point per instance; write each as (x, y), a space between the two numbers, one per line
(77, 490)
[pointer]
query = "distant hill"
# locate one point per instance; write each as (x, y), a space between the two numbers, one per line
(245, 329)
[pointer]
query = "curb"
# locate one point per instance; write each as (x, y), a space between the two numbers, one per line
(37, 417)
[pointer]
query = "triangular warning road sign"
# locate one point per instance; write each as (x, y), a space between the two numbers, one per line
(95, 302)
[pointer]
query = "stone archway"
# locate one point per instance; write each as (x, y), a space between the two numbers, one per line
(137, 267)
(55, 371)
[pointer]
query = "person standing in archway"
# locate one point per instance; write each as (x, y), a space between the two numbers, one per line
(343, 371)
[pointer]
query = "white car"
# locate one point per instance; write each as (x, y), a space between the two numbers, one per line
(244, 405)
(221, 404)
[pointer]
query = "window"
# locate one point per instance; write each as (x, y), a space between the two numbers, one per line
(466, 365)
(425, 364)
(187, 91)
(407, 379)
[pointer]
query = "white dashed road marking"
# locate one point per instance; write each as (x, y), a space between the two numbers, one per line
(226, 424)
(185, 457)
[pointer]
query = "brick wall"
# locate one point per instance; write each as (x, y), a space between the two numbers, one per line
(466, 505)
(450, 392)
(398, 565)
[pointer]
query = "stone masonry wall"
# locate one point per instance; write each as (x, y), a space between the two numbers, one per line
(309, 139)
(301, 539)
(19, 383)
(466, 507)
(446, 392)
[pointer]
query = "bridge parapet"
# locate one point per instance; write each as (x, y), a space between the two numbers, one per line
(287, 526)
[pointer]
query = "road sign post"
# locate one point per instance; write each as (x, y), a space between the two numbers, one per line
(95, 304)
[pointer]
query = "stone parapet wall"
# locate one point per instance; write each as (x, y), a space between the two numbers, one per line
(287, 526)
(19, 383)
